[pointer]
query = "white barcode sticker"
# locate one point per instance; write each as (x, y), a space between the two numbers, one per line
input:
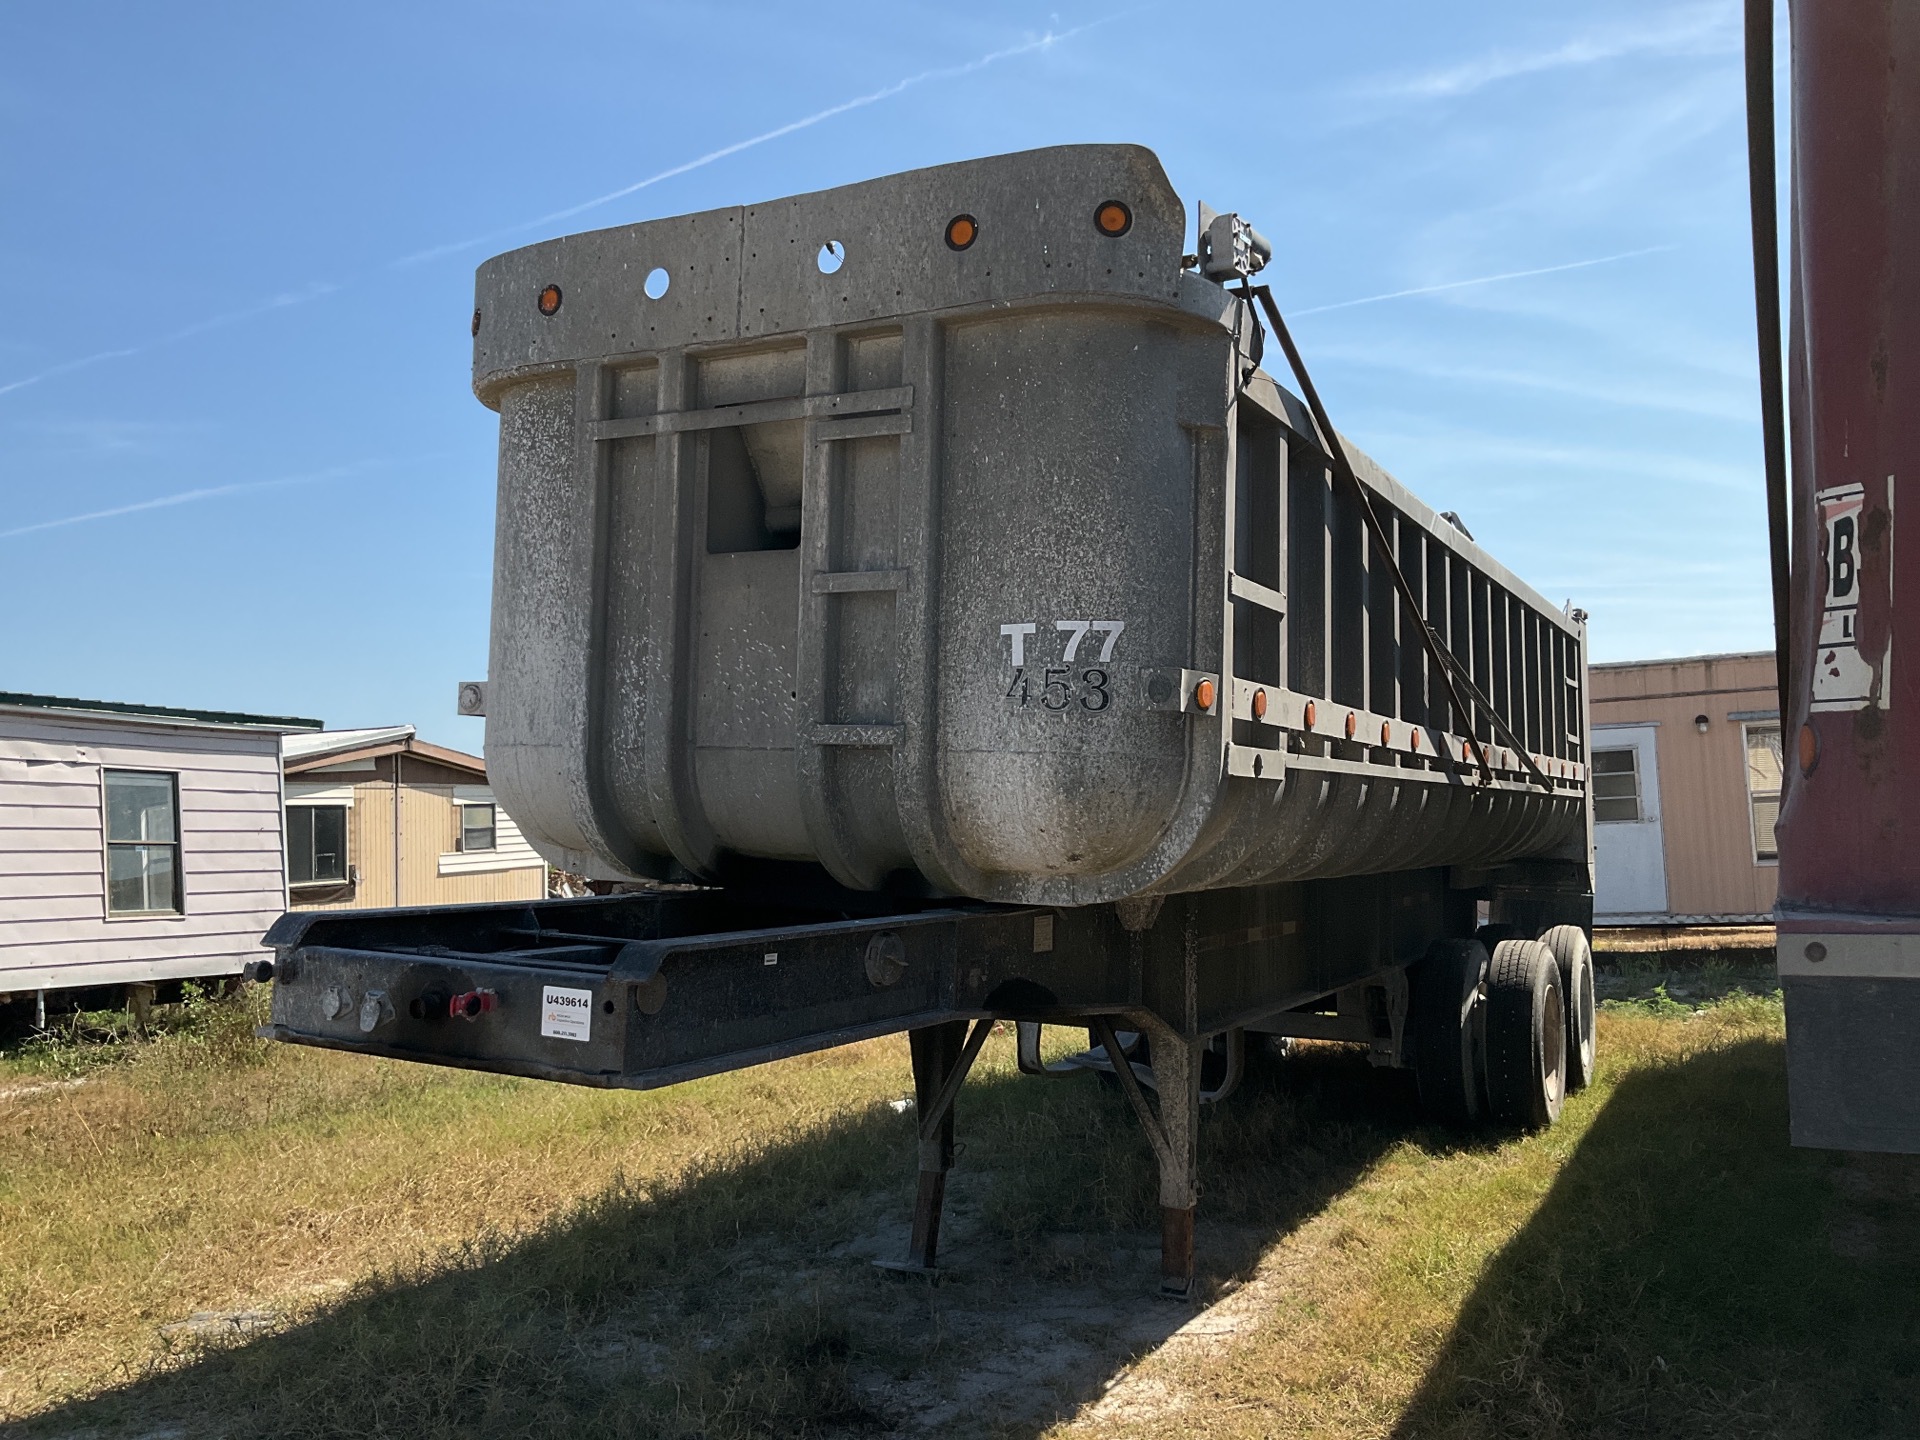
(566, 1014)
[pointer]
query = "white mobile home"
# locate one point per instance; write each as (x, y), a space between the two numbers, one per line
(138, 843)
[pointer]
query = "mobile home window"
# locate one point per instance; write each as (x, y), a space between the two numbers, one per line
(1763, 787)
(1616, 785)
(476, 828)
(316, 844)
(143, 842)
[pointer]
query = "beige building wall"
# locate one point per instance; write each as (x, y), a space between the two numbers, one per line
(429, 833)
(1705, 809)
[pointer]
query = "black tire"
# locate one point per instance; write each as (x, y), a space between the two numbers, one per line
(1446, 1043)
(1575, 957)
(1526, 1035)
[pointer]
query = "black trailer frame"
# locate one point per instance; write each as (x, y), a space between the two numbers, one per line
(674, 984)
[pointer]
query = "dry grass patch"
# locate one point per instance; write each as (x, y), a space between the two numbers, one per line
(443, 1254)
(1660, 1263)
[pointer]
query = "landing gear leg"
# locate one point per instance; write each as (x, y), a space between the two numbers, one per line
(1173, 1132)
(942, 1055)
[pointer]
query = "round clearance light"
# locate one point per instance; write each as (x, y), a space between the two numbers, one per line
(1386, 732)
(1259, 704)
(962, 231)
(1203, 695)
(476, 324)
(1312, 714)
(1466, 750)
(1353, 724)
(1416, 739)
(549, 301)
(1112, 219)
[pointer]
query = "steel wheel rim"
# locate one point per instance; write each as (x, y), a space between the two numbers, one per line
(1553, 1046)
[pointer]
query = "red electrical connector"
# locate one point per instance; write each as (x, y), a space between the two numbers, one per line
(472, 1005)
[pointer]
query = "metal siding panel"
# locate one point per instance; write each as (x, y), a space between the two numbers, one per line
(1703, 790)
(53, 930)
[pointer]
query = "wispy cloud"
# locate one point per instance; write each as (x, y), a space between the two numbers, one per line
(1481, 280)
(315, 291)
(1705, 29)
(1634, 377)
(1496, 459)
(191, 497)
(886, 92)
(100, 436)
(286, 300)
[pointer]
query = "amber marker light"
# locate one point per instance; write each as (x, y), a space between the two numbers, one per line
(1386, 732)
(1259, 704)
(1416, 739)
(1112, 219)
(962, 231)
(550, 300)
(1353, 723)
(1311, 715)
(1203, 695)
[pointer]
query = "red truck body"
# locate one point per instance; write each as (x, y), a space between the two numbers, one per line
(1849, 909)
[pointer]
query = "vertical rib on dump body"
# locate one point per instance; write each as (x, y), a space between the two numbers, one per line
(900, 545)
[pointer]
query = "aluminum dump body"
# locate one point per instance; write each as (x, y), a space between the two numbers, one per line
(916, 565)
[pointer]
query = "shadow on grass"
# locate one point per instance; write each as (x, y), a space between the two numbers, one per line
(1691, 1275)
(736, 1301)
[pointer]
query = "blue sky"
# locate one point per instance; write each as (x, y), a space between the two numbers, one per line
(240, 466)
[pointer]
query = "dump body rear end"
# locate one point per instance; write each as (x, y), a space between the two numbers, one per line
(914, 569)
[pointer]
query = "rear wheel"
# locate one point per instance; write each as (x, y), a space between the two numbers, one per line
(1446, 1047)
(1526, 1035)
(1494, 931)
(1575, 956)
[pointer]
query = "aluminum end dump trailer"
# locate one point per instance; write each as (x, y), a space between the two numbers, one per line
(923, 580)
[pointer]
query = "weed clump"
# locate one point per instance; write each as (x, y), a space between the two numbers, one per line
(209, 1028)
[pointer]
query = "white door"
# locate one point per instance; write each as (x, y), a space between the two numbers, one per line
(1629, 856)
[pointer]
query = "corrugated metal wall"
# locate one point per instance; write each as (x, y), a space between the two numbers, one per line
(1711, 869)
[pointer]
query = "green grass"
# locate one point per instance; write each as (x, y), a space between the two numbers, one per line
(446, 1254)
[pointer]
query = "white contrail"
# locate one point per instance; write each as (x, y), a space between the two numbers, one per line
(1482, 280)
(198, 327)
(946, 72)
(1712, 28)
(188, 497)
(314, 292)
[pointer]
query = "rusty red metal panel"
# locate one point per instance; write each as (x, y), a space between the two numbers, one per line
(1850, 826)
(1849, 913)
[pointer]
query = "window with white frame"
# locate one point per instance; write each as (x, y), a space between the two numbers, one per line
(143, 842)
(316, 844)
(1616, 785)
(477, 829)
(1765, 763)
